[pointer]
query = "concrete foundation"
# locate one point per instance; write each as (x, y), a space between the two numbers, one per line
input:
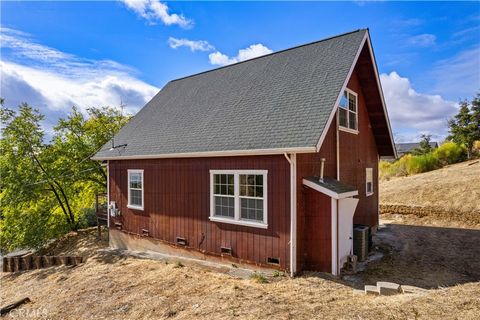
(126, 241)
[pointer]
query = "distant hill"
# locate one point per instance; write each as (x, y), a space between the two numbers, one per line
(451, 193)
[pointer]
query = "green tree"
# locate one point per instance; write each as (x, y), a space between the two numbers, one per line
(47, 188)
(424, 147)
(464, 127)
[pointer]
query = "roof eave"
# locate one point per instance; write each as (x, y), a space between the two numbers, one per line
(208, 154)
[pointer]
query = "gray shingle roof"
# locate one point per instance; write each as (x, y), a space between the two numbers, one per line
(403, 148)
(281, 100)
(332, 184)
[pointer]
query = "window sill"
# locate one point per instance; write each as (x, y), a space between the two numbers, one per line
(239, 222)
(347, 130)
(369, 194)
(134, 207)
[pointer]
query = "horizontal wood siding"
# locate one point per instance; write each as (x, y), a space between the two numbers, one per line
(177, 204)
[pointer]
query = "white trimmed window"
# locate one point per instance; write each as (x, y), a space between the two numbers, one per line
(239, 197)
(348, 111)
(369, 181)
(135, 189)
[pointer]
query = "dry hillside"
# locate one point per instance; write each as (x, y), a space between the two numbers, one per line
(110, 286)
(451, 193)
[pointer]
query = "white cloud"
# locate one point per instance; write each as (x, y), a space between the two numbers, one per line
(54, 81)
(154, 10)
(423, 40)
(255, 50)
(199, 45)
(413, 113)
(459, 76)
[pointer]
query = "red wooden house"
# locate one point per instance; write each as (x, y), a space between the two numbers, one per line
(267, 161)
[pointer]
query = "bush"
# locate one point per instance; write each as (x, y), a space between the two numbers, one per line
(398, 168)
(422, 163)
(449, 153)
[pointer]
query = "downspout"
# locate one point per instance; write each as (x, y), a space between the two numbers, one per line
(108, 195)
(293, 211)
(338, 145)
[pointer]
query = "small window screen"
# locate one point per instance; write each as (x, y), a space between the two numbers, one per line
(224, 195)
(135, 188)
(369, 181)
(251, 197)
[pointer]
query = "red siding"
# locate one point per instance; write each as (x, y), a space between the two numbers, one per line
(317, 238)
(177, 204)
(358, 152)
(308, 165)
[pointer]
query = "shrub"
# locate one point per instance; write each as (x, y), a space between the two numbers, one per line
(260, 278)
(422, 163)
(449, 153)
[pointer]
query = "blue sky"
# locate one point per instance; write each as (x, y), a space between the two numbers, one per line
(55, 54)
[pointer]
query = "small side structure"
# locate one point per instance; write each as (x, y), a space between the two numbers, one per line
(269, 161)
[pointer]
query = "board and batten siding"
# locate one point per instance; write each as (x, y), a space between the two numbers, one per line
(177, 204)
(358, 152)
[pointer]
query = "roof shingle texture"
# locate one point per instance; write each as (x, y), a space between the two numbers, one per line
(332, 184)
(281, 100)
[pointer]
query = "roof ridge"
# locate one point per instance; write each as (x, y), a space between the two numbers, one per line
(272, 53)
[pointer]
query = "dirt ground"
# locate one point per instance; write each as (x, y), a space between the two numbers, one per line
(434, 246)
(423, 255)
(110, 286)
(450, 194)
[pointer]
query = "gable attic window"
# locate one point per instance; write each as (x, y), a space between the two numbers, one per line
(369, 181)
(135, 189)
(239, 197)
(348, 112)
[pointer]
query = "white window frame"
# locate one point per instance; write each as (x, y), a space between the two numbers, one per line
(133, 206)
(367, 181)
(237, 219)
(347, 128)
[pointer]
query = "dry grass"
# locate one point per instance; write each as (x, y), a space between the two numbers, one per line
(451, 193)
(112, 287)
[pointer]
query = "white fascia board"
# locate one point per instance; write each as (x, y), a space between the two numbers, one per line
(211, 154)
(334, 109)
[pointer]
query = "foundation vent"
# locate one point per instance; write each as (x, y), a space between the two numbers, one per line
(225, 250)
(118, 225)
(181, 241)
(145, 233)
(275, 261)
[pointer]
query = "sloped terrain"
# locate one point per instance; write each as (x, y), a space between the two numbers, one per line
(109, 286)
(450, 194)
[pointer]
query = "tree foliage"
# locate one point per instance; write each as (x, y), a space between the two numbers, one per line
(465, 125)
(424, 147)
(48, 188)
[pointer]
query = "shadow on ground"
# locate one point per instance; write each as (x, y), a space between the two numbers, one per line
(423, 256)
